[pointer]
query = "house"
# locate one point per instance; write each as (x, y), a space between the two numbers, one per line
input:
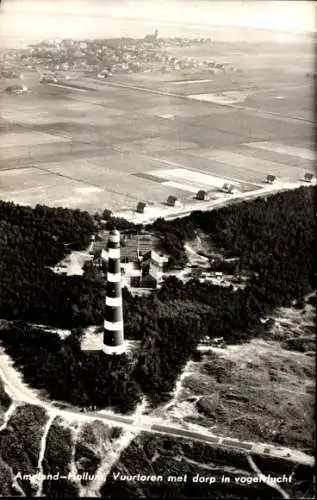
(308, 177)
(135, 282)
(141, 207)
(158, 265)
(228, 188)
(49, 78)
(104, 74)
(148, 282)
(173, 201)
(202, 195)
(271, 179)
(16, 89)
(134, 246)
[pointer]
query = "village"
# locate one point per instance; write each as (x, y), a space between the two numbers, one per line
(57, 60)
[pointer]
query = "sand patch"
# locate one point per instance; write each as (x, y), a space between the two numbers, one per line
(230, 97)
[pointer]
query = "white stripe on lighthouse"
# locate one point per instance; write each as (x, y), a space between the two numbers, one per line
(113, 337)
(113, 301)
(114, 278)
(113, 326)
(114, 253)
(118, 349)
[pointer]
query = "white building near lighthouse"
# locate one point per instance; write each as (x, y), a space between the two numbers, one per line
(158, 264)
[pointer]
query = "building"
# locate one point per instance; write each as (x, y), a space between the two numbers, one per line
(16, 89)
(202, 195)
(48, 79)
(135, 246)
(113, 334)
(141, 207)
(151, 38)
(131, 274)
(270, 179)
(135, 254)
(104, 74)
(308, 177)
(148, 282)
(158, 263)
(145, 244)
(173, 201)
(228, 188)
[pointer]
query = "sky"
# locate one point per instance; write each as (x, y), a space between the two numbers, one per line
(29, 20)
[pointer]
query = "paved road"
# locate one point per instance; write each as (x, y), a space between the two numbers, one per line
(21, 392)
(213, 204)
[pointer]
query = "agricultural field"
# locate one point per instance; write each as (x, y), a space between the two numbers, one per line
(96, 144)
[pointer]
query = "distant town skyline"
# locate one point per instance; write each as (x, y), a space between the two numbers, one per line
(29, 20)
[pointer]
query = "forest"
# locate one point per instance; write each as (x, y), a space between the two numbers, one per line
(32, 241)
(274, 238)
(66, 372)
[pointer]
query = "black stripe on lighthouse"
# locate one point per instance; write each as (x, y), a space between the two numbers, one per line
(113, 337)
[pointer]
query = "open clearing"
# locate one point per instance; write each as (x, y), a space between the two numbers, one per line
(120, 143)
(259, 390)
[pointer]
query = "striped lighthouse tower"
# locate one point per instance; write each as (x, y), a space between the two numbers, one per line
(113, 339)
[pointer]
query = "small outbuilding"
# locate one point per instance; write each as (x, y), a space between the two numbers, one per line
(308, 177)
(16, 89)
(228, 188)
(148, 282)
(173, 201)
(270, 179)
(141, 207)
(202, 195)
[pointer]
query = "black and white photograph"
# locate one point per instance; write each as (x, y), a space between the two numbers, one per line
(157, 237)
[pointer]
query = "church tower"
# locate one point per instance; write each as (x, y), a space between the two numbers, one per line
(113, 337)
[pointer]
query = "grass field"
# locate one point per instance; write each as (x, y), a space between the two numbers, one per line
(111, 146)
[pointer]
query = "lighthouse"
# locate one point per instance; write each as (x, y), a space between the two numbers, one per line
(113, 337)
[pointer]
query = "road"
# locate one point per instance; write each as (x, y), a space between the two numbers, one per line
(19, 391)
(175, 213)
(250, 195)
